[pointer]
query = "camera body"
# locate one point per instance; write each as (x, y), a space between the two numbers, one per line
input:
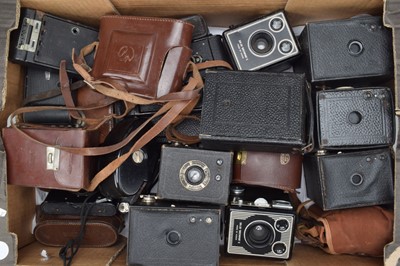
(173, 233)
(355, 118)
(39, 81)
(358, 50)
(196, 175)
(209, 48)
(261, 43)
(262, 228)
(44, 40)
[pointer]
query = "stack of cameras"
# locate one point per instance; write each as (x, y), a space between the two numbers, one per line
(40, 43)
(317, 101)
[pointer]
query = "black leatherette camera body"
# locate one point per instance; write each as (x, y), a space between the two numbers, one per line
(39, 81)
(44, 40)
(347, 52)
(355, 118)
(350, 179)
(61, 202)
(196, 175)
(245, 110)
(161, 234)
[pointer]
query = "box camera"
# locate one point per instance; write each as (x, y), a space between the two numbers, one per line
(355, 118)
(261, 43)
(172, 233)
(262, 227)
(42, 87)
(338, 52)
(349, 179)
(44, 40)
(195, 175)
(248, 110)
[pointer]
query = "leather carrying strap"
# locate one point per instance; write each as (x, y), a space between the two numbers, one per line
(170, 111)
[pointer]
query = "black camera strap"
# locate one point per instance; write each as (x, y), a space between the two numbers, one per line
(70, 249)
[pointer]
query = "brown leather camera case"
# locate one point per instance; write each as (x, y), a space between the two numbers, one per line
(57, 230)
(32, 164)
(147, 56)
(269, 169)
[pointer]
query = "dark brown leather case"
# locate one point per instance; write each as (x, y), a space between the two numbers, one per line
(57, 230)
(133, 51)
(36, 165)
(268, 169)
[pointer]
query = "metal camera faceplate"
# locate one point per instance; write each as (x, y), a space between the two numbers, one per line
(281, 226)
(202, 169)
(243, 46)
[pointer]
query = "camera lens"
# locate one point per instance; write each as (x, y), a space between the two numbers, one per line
(261, 43)
(194, 175)
(173, 237)
(259, 234)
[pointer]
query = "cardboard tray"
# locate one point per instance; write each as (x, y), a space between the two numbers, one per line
(17, 204)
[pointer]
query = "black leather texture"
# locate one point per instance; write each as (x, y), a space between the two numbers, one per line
(37, 81)
(333, 55)
(355, 118)
(351, 179)
(253, 111)
(200, 26)
(196, 232)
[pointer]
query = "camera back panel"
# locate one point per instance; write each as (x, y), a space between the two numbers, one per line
(261, 43)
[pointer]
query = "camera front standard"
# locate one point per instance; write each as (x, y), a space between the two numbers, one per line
(195, 175)
(262, 232)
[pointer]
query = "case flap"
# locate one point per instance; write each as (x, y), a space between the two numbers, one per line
(132, 50)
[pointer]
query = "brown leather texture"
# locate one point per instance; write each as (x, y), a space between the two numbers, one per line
(148, 56)
(269, 169)
(57, 230)
(362, 231)
(87, 97)
(27, 159)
